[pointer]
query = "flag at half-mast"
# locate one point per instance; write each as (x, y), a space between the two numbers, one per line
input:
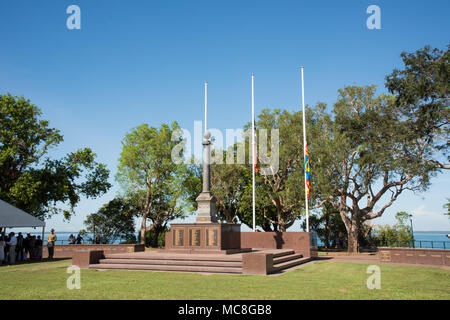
(307, 172)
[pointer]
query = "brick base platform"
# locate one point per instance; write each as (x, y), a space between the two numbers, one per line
(239, 263)
(66, 250)
(436, 257)
(212, 248)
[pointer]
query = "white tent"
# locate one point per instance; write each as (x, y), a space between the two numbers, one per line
(11, 217)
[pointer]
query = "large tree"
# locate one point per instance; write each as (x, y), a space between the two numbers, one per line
(231, 184)
(280, 189)
(375, 148)
(280, 198)
(328, 225)
(370, 156)
(227, 183)
(29, 179)
(159, 187)
(422, 91)
(113, 221)
(265, 210)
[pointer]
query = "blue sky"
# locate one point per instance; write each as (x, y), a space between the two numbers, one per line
(142, 61)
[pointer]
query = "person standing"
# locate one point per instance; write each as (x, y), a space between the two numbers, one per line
(6, 251)
(32, 247)
(51, 239)
(12, 248)
(4, 239)
(19, 247)
(2, 247)
(26, 246)
(79, 239)
(38, 248)
(71, 239)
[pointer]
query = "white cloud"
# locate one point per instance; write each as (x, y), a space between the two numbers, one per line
(429, 220)
(420, 211)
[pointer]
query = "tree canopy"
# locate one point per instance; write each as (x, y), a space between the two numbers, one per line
(161, 189)
(422, 97)
(398, 235)
(113, 221)
(227, 183)
(29, 179)
(280, 197)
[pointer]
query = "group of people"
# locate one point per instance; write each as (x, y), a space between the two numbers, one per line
(19, 248)
(72, 239)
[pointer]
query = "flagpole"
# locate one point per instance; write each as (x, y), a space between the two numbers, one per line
(206, 102)
(304, 152)
(253, 149)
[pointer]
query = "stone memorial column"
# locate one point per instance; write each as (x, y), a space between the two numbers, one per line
(206, 212)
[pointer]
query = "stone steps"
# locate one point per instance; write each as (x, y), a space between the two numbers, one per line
(289, 263)
(175, 256)
(165, 267)
(158, 261)
(282, 253)
(285, 258)
(201, 263)
(237, 264)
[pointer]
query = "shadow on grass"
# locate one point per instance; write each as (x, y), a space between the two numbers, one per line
(18, 263)
(322, 258)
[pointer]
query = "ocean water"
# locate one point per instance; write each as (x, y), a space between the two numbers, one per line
(426, 239)
(423, 239)
(437, 240)
(63, 237)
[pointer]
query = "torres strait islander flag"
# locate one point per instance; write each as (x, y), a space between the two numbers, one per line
(307, 172)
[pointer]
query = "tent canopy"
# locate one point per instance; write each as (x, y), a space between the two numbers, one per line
(12, 217)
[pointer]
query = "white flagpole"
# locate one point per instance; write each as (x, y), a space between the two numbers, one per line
(304, 152)
(206, 102)
(253, 148)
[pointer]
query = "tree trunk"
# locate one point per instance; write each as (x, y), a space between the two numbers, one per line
(353, 241)
(143, 228)
(155, 238)
(327, 231)
(352, 225)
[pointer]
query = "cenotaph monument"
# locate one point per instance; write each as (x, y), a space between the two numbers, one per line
(206, 235)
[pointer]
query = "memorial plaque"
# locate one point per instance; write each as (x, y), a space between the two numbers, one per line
(385, 256)
(178, 237)
(194, 237)
(212, 237)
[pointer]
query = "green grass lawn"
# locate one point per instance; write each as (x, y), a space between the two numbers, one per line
(321, 280)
